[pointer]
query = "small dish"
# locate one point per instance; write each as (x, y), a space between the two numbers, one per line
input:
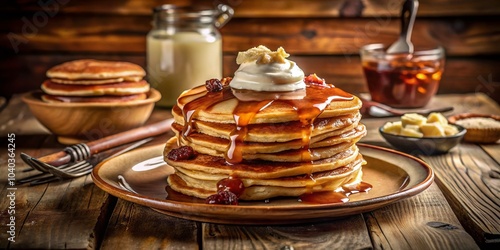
(478, 131)
(78, 122)
(424, 145)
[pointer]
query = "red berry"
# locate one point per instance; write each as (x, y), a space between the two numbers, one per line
(182, 153)
(213, 85)
(233, 185)
(222, 197)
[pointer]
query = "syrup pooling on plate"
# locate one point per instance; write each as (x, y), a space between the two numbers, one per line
(337, 196)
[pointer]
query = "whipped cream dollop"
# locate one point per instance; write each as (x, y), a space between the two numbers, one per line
(264, 70)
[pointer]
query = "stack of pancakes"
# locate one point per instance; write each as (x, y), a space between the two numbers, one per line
(90, 80)
(276, 146)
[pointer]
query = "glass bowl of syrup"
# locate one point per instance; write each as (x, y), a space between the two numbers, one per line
(403, 80)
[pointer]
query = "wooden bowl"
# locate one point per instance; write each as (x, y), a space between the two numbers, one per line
(78, 122)
(476, 132)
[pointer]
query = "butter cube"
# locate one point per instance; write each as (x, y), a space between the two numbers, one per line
(450, 130)
(432, 129)
(437, 117)
(412, 130)
(393, 128)
(413, 119)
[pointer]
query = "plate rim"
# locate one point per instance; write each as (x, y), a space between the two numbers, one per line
(166, 205)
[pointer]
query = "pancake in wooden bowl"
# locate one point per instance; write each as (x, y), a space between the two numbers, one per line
(88, 99)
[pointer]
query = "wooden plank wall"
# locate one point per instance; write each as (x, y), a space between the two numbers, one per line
(324, 36)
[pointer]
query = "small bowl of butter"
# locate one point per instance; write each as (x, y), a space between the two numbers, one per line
(420, 135)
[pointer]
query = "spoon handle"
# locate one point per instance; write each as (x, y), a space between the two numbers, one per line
(408, 15)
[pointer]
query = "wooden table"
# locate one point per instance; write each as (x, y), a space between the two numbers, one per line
(461, 210)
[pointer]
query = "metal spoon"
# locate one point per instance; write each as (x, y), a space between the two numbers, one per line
(408, 15)
(375, 109)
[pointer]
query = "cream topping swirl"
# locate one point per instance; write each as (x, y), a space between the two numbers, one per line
(264, 70)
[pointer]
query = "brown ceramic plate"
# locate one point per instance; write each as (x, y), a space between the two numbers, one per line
(393, 175)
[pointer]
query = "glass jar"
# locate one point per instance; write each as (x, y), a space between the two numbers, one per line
(184, 48)
(402, 80)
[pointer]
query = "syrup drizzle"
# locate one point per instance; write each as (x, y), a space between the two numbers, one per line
(205, 101)
(308, 108)
(242, 114)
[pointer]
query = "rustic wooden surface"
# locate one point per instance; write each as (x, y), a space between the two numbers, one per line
(135, 227)
(75, 214)
(323, 31)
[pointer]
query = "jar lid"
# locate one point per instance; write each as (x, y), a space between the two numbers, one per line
(172, 13)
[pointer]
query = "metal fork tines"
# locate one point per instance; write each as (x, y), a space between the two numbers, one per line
(72, 169)
(57, 173)
(74, 153)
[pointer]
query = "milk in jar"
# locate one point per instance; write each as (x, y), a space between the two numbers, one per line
(184, 49)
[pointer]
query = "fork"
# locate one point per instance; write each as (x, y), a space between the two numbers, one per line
(76, 169)
(84, 150)
(49, 176)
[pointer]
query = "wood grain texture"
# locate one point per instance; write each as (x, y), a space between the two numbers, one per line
(325, 8)
(136, 227)
(343, 233)
(461, 36)
(50, 216)
(492, 150)
(281, 8)
(469, 178)
(424, 221)
(464, 36)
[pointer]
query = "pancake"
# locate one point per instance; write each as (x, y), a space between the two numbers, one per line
(87, 81)
(98, 81)
(93, 99)
(120, 88)
(270, 151)
(210, 165)
(272, 132)
(271, 138)
(219, 107)
(95, 69)
(306, 178)
(202, 190)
